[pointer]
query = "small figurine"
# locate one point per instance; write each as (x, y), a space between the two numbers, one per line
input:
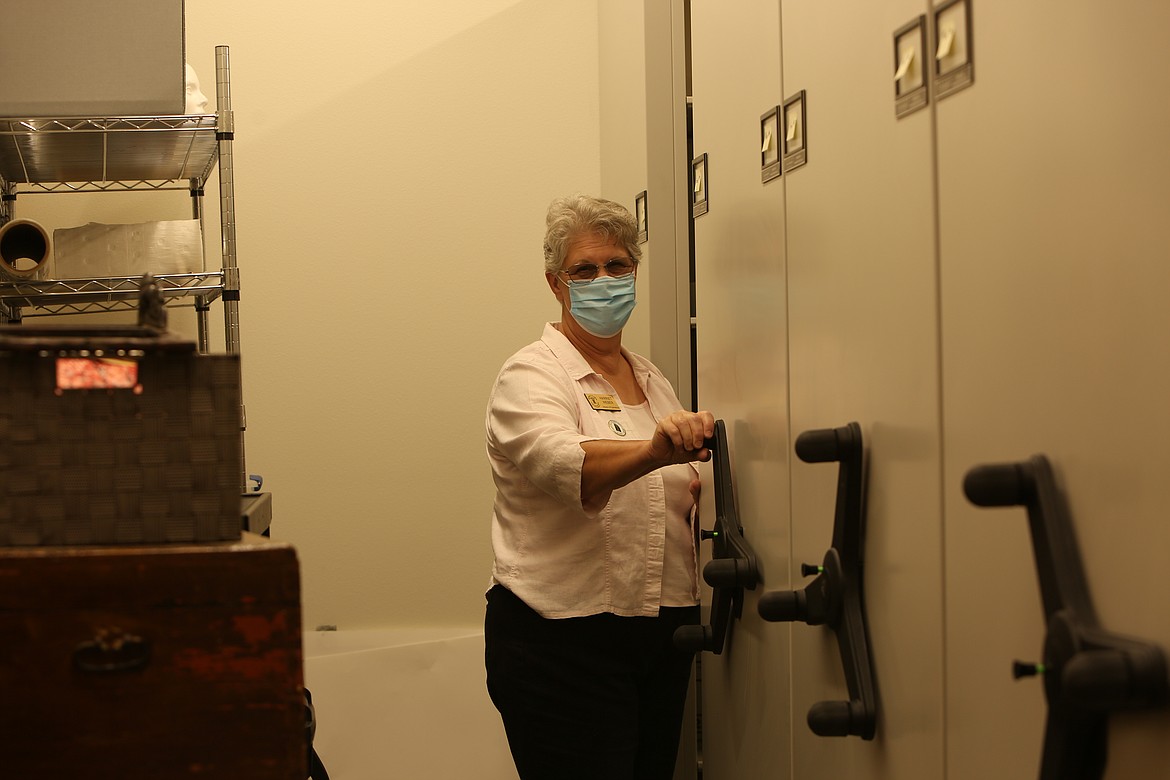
(152, 312)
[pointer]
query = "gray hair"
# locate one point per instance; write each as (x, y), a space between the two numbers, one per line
(582, 215)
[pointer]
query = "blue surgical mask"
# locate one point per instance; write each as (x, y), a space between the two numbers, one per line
(602, 306)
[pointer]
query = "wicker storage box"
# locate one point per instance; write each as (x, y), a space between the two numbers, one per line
(114, 436)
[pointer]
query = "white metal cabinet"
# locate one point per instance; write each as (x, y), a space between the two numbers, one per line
(976, 291)
(1054, 186)
(742, 369)
(863, 346)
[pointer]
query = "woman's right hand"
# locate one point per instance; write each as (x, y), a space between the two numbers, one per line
(609, 464)
(680, 438)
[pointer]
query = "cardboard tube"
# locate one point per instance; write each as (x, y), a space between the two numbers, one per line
(25, 250)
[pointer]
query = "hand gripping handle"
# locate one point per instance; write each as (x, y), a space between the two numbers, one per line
(732, 567)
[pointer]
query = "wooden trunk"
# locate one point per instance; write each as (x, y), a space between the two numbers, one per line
(152, 662)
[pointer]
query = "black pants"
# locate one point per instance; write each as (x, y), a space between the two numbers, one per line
(589, 698)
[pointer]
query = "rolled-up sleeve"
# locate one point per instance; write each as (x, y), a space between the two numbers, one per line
(532, 423)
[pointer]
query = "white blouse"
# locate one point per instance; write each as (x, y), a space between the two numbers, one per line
(633, 555)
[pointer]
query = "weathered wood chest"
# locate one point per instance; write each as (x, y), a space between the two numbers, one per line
(152, 662)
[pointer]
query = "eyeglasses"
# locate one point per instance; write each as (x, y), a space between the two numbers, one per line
(587, 272)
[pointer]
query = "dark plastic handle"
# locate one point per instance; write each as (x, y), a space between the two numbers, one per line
(732, 567)
(1087, 671)
(1099, 678)
(819, 446)
(832, 719)
(997, 485)
(783, 606)
(693, 639)
(1116, 675)
(725, 573)
(834, 598)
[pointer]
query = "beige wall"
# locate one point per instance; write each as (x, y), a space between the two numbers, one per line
(393, 162)
(622, 69)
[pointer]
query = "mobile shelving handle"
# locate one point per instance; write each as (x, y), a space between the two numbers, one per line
(835, 598)
(1087, 671)
(733, 566)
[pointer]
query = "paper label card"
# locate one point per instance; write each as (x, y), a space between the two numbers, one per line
(699, 177)
(954, 66)
(770, 145)
(910, 71)
(904, 65)
(795, 110)
(946, 41)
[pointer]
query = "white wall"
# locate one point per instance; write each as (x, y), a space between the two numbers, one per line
(622, 70)
(392, 166)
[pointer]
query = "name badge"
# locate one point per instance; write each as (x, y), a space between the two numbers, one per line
(602, 403)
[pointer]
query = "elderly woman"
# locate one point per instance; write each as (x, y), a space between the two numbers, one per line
(593, 524)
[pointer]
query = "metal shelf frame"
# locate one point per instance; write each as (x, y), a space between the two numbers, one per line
(48, 155)
(81, 296)
(84, 154)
